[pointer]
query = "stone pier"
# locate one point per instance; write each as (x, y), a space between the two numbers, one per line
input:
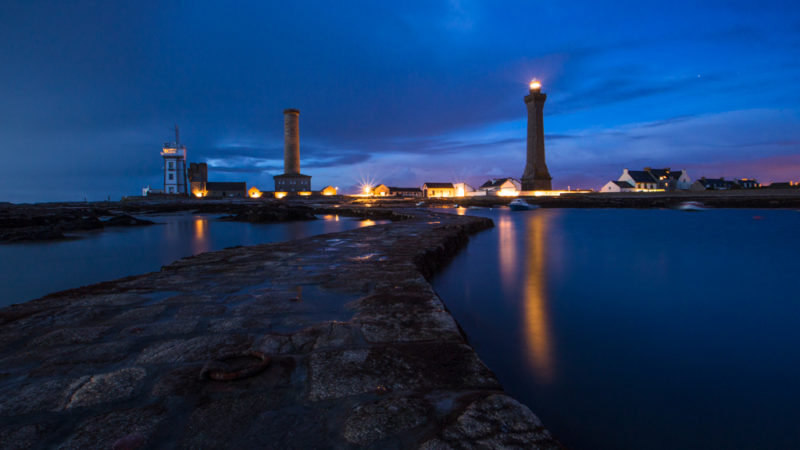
(335, 341)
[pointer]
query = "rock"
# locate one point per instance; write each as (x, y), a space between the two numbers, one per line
(400, 367)
(130, 442)
(116, 428)
(407, 326)
(67, 336)
(114, 386)
(385, 418)
(24, 437)
(201, 348)
(125, 220)
(37, 396)
(498, 421)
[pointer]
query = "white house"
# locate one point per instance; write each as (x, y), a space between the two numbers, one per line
(655, 180)
(463, 190)
(617, 186)
(670, 180)
(502, 187)
(641, 180)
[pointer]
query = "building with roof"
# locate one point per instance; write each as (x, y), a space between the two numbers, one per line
(226, 189)
(412, 192)
(329, 190)
(639, 179)
(501, 187)
(721, 184)
(380, 190)
(464, 190)
(784, 185)
(670, 180)
(618, 186)
(747, 183)
(438, 190)
(712, 184)
(254, 192)
(652, 180)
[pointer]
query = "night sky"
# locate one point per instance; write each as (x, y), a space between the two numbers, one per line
(396, 92)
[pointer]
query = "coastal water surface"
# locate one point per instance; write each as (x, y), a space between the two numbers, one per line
(629, 329)
(30, 270)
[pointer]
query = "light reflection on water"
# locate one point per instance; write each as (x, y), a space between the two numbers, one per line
(507, 250)
(30, 270)
(535, 304)
(626, 329)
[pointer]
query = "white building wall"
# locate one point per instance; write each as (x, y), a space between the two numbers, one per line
(684, 182)
(610, 187)
(627, 177)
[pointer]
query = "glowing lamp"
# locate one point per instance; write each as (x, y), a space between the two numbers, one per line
(536, 85)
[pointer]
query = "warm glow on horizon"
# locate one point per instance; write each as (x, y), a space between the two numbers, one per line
(280, 194)
(254, 192)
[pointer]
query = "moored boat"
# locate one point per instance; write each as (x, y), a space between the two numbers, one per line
(691, 206)
(521, 205)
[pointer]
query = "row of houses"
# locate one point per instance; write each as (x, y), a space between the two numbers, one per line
(721, 184)
(665, 180)
(503, 187)
(649, 180)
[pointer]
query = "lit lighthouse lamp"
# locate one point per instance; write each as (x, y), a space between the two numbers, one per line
(536, 86)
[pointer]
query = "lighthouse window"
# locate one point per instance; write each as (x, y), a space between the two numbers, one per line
(172, 165)
(172, 176)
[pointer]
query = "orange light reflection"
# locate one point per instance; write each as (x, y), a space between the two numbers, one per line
(535, 309)
(200, 244)
(507, 250)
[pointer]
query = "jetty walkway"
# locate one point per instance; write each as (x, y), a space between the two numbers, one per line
(335, 341)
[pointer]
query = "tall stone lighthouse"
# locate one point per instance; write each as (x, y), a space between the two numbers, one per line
(291, 180)
(536, 176)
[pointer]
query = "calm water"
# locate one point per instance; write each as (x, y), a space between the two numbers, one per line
(30, 270)
(629, 329)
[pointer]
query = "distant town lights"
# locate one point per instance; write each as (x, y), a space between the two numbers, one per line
(536, 85)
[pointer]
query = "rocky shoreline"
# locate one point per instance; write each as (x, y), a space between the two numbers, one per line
(336, 340)
(50, 221)
(53, 221)
(46, 222)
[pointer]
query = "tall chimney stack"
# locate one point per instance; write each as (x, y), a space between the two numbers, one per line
(291, 141)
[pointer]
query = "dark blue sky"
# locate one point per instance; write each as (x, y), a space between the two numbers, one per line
(396, 92)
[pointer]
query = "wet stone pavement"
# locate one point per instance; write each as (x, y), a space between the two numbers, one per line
(335, 341)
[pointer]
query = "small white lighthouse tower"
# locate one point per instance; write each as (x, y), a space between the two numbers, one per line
(174, 166)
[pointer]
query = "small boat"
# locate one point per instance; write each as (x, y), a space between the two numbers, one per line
(521, 205)
(421, 204)
(691, 206)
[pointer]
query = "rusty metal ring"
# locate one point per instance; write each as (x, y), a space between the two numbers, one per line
(218, 370)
